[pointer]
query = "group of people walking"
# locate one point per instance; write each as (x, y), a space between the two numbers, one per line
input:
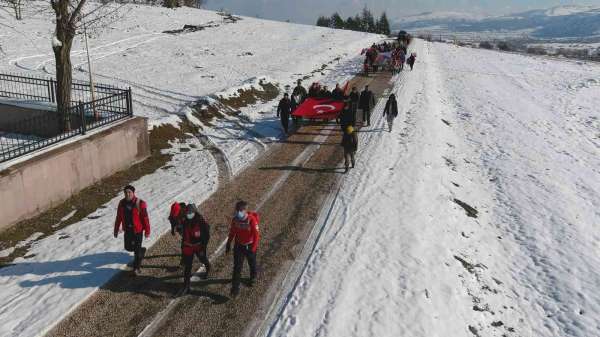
(392, 56)
(364, 101)
(194, 230)
(188, 222)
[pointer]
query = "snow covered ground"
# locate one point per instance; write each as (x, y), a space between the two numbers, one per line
(515, 137)
(168, 74)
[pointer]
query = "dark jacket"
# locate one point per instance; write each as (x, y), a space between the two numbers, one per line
(284, 108)
(300, 91)
(337, 94)
(367, 100)
(350, 142)
(347, 117)
(391, 107)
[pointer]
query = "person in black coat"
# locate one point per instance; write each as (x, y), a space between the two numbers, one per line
(299, 93)
(283, 111)
(411, 60)
(391, 110)
(350, 145)
(347, 116)
(366, 103)
(337, 93)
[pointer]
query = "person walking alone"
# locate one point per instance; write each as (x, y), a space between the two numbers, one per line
(132, 218)
(366, 103)
(283, 112)
(350, 145)
(391, 111)
(243, 232)
(411, 60)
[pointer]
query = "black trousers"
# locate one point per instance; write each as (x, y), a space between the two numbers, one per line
(239, 253)
(133, 243)
(366, 117)
(348, 158)
(188, 260)
(285, 122)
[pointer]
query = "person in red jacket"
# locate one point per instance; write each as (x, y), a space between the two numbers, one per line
(244, 232)
(176, 217)
(132, 218)
(196, 234)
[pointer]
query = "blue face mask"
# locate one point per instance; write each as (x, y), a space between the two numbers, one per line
(190, 216)
(240, 215)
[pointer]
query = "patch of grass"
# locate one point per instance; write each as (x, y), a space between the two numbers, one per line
(207, 111)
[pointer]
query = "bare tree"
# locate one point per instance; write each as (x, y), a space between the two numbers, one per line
(70, 17)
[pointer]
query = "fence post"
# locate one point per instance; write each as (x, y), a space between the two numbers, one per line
(52, 85)
(82, 117)
(129, 103)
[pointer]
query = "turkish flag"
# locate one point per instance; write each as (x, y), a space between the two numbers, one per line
(319, 108)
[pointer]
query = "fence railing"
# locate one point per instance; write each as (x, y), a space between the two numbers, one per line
(47, 127)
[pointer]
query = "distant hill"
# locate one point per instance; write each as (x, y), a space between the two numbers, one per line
(557, 22)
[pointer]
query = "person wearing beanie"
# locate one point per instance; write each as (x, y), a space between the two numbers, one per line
(132, 218)
(243, 232)
(350, 145)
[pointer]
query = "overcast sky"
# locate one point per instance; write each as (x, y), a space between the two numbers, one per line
(307, 11)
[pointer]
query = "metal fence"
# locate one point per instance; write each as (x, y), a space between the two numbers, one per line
(46, 126)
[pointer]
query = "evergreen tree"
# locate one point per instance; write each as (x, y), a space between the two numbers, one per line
(350, 23)
(383, 25)
(337, 21)
(358, 24)
(368, 21)
(323, 21)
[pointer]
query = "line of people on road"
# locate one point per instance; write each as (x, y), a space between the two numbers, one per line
(391, 56)
(187, 221)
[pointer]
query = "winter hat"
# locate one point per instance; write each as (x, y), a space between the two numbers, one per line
(191, 208)
(129, 187)
(240, 205)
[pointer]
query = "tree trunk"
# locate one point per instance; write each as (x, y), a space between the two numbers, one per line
(62, 55)
(64, 79)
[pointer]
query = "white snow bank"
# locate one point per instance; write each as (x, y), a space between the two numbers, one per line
(511, 136)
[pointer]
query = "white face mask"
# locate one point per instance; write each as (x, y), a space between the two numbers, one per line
(190, 216)
(240, 215)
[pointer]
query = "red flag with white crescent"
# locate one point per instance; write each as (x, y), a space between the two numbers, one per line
(319, 108)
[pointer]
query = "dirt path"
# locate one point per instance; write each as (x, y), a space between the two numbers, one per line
(288, 184)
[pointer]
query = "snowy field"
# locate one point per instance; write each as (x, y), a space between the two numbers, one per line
(168, 74)
(515, 137)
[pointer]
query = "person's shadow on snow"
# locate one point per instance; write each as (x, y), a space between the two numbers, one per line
(81, 272)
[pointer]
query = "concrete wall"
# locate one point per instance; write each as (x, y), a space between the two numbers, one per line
(33, 186)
